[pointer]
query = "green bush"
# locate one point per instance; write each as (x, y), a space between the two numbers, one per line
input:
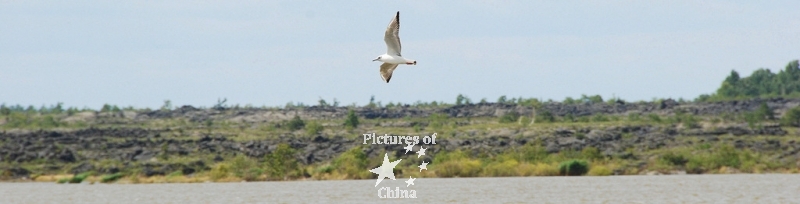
(245, 168)
(573, 167)
(281, 162)
(352, 120)
(111, 177)
(532, 153)
(313, 128)
(353, 163)
(545, 116)
(654, 117)
(459, 168)
(674, 159)
(219, 171)
(591, 153)
(791, 117)
(79, 177)
(502, 169)
(296, 123)
(437, 120)
(726, 156)
(599, 118)
(509, 117)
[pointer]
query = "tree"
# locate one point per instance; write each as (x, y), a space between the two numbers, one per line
(733, 79)
(296, 123)
(220, 104)
(502, 99)
(352, 120)
(322, 102)
(167, 105)
(462, 100)
(765, 112)
(281, 161)
(371, 102)
(791, 117)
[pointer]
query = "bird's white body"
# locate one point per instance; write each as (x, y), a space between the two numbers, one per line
(387, 58)
(392, 58)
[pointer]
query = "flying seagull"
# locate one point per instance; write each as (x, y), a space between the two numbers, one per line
(392, 58)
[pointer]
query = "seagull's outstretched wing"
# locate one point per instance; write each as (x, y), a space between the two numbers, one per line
(386, 71)
(392, 36)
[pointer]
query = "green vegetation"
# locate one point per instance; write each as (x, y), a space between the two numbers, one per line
(352, 120)
(296, 123)
(281, 163)
(719, 149)
(111, 177)
(761, 83)
(75, 179)
(573, 167)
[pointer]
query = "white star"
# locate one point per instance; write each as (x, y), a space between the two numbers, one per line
(409, 147)
(420, 152)
(423, 166)
(410, 181)
(385, 170)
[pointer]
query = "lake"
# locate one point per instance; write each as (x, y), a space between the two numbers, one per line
(738, 188)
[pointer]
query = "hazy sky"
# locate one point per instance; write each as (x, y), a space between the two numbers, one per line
(140, 53)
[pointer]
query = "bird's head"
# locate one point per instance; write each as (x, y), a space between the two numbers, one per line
(377, 58)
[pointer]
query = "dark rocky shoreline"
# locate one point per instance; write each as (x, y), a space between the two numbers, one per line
(143, 147)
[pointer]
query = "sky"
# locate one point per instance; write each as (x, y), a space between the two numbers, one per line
(268, 53)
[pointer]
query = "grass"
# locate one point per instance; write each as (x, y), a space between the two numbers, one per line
(111, 177)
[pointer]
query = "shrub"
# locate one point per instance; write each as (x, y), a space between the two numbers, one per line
(539, 169)
(726, 156)
(352, 120)
(313, 128)
(509, 117)
(599, 171)
(111, 177)
(175, 174)
(634, 116)
(573, 167)
(296, 123)
(791, 117)
(591, 153)
(325, 169)
(459, 168)
(456, 164)
(219, 171)
(245, 168)
(532, 153)
(654, 117)
(352, 163)
(281, 162)
(79, 178)
(502, 169)
(765, 112)
(674, 159)
(437, 120)
(545, 116)
(599, 118)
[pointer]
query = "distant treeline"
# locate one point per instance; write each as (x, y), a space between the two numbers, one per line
(762, 83)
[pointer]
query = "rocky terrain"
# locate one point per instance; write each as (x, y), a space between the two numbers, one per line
(112, 138)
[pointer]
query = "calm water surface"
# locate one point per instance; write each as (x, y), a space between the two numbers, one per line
(742, 188)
